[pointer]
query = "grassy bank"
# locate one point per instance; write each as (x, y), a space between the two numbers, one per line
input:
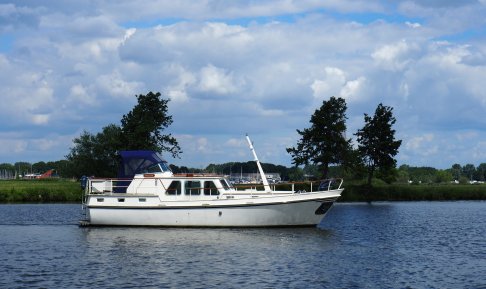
(68, 191)
(396, 192)
(40, 191)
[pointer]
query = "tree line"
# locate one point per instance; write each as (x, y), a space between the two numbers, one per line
(322, 151)
(325, 143)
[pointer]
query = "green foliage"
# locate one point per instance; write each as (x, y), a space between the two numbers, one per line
(481, 173)
(96, 155)
(296, 174)
(324, 143)
(361, 193)
(443, 176)
(141, 129)
(376, 142)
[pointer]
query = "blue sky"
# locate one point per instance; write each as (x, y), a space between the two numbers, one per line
(237, 67)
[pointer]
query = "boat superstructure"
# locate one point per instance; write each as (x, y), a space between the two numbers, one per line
(157, 197)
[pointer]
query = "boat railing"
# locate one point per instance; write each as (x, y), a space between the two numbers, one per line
(296, 187)
(110, 186)
(104, 186)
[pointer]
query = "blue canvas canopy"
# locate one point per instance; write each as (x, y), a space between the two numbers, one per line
(135, 162)
(132, 163)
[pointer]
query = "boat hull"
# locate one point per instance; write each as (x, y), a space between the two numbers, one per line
(289, 213)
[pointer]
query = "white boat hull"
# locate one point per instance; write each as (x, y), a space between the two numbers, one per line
(296, 210)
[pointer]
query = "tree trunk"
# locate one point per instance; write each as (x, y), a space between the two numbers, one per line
(325, 171)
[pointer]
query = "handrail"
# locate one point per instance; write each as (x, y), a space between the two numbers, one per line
(330, 184)
(109, 185)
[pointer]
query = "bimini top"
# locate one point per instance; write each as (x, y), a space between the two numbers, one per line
(138, 162)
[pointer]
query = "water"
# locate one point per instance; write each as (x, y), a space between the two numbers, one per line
(382, 245)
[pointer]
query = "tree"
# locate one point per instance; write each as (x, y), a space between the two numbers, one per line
(376, 142)
(96, 154)
(324, 143)
(456, 171)
(142, 127)
(481, 172)
(468, 171)
(443, 176)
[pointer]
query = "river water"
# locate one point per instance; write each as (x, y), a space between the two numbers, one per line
(379, 245)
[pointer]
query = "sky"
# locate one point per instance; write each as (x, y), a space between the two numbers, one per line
(237, 67)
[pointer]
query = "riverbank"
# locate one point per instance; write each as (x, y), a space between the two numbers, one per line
(69, 191)
(403, 192)
(40, 191)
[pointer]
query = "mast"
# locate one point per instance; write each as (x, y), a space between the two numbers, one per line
(262, 174)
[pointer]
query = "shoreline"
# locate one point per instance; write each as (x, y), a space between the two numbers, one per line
(68, 191)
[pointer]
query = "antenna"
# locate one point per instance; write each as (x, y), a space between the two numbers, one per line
(262, 174)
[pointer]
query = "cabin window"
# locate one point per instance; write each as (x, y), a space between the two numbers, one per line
(142, 200)
(193, 188)
(153, 169)
(174, 188)
(100, 200)
(225, 184)
(210, 188)
(121, 200)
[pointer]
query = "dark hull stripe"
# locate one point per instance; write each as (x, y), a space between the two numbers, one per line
(209, 206)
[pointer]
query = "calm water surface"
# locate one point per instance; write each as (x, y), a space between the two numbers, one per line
(382, 245)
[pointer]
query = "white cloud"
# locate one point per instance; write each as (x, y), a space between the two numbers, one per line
(216, 80)
(352, 89)
(75, 66)
(113, 84)
(394, 57)
(413, 25)
(417, 143)
(12, 146)
(335, 83)
(40, 119)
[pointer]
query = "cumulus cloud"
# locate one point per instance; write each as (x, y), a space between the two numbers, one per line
(216, 80)
(230, 68)
(394, 57)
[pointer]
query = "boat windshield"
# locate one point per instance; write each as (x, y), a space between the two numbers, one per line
(158, 168)
(225, 184)
(165, 167)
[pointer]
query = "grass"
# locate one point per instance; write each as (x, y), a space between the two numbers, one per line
(68, 191)
(40, 191)
(403, 192)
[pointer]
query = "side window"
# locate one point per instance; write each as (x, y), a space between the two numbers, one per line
(193, 188)
(153, 169)
(225, 184)
(210, 188)
(174, 188)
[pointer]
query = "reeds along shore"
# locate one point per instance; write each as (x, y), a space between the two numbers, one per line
(69, 191)
(396, 192)
(40, 191)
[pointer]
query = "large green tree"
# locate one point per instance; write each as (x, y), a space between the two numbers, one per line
(324, 143)
(141, 129)
(377, 145)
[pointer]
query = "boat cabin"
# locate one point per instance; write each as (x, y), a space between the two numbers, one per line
(146, 173)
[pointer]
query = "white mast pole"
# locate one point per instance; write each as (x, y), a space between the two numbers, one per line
(262, 174)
